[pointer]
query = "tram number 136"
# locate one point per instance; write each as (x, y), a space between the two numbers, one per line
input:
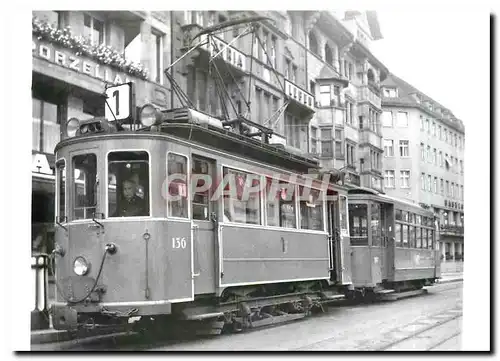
(178, 242)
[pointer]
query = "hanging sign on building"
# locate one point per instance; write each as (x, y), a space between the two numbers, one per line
(40, 164)
(66, 58)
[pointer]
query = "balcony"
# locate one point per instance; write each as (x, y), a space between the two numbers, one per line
(230, 54)
(300, 96)
(366, 93)
(450, 230)
(368, 136)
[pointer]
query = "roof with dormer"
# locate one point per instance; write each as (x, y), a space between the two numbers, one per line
(410, 96)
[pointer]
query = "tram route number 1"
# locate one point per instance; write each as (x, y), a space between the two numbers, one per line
(179, 242)
(119, 103)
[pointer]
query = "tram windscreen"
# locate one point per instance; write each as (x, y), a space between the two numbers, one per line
(128, 184)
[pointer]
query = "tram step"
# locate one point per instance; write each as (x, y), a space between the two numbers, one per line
(331, 296)
(384, 292)
(397, 296)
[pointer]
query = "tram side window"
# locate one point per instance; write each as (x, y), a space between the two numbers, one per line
(343, 213)
(419, 237)
(280, 203)
(201, 198)
(241, 197)
(85, 186)
(397, 234)
(128, 184)
(61, 191)
(311, 209)
(424, 237)
(375, 224)
(430, 241)
(177, 197)
(358, 224)
(412, 237)
(405, 235)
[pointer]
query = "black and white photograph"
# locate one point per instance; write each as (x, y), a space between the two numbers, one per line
(250, 180)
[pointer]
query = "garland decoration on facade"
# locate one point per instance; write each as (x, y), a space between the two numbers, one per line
(103, 54)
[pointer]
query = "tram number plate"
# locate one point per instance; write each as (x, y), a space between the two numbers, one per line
(118, 102)
(179, 242)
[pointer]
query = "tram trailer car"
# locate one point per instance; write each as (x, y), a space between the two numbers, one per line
(208, 259)
(392, 244)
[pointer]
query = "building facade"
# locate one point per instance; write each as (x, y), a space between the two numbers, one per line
(424, 158)
(75, 55)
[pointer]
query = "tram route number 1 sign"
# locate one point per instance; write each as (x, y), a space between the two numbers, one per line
(120, 102)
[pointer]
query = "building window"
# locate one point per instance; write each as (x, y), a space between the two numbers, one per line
(421, 123)
(338, 143)
(447, 188)
(402, 119)
(442, 186)
(446, 135)
(273, 52)
(404, 148)
(405, 178)
(350, 154)
(387, 119)
(52, 17)
(456, 140)
(329, 55)
(422, 152)
(452, 190)
(349, 113)
(265, 48)
(459, 142)
(427, 128)
(93, 29)
(390, 93)
(314, 140)
(325, 96)
(440, 135)
(422, 181)
(287, 67)
(429, 179)
(462, 192)
(45, 125)
(157, 59)
(434, 128)
(326, 142)
(435, 185)
(441, 161)
(434, 156)
(429, 159)
(389, 179)
(461, 167)
(294, 74)
(389, 147)
(313, 43)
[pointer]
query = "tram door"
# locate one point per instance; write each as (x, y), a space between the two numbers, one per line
(334, 241)
(203, 210)
(386, 218)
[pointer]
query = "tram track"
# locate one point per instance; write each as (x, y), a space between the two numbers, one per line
(132, 340)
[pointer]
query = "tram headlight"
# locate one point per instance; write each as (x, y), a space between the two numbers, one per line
(80, 266)
(72, 126)
(150, 115)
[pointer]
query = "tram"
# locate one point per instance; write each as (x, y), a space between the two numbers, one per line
(178, 215)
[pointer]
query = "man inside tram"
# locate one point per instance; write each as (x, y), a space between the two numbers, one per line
(131, 205)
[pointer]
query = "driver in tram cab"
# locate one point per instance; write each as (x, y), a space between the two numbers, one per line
(131, 205)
